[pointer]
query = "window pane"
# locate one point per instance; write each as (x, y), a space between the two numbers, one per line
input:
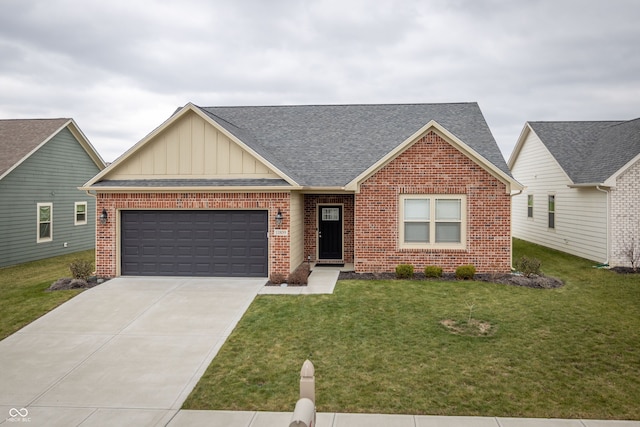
(80, 209)
(45, 230)
(552, 203)
(45, 213)
(416, 232)
(552, 220)
(448, 209)
(530, 200)
(416, 209)
(447, 232)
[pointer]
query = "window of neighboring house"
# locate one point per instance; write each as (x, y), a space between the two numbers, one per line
(81, 213)
(432, 221)
(530, 206)
(552, 211)
(45, 222)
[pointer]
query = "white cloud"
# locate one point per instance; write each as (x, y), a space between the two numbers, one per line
(120, 68)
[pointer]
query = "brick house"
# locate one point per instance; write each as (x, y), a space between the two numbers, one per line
(582, 191)
(252, 191)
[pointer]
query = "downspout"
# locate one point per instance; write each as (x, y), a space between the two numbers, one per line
(607, 192)
(511, 224)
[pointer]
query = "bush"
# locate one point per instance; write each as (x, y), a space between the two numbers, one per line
(81, 269)
(300, 275)
(432, 271)
(277, 278)
(528, 266)
(465, 272)
(404, 271)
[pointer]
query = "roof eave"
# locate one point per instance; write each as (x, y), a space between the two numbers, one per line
(190, 189)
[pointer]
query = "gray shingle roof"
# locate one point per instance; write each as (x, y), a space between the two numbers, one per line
(330, 145)
(19, 137)
(590, 152)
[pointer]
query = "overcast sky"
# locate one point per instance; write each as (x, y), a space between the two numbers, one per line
(120, 68)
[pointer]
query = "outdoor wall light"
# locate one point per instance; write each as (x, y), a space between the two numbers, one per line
(104, 216)
(279, 218)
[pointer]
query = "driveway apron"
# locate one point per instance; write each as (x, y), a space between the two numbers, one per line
(127, 352)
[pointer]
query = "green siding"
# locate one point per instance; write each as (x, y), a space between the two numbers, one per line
(50, 175)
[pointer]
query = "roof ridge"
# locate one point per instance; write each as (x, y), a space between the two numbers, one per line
(342, 105)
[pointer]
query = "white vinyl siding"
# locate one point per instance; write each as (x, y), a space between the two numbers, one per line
(45, 222)
(432, 221)
(80, 213)
(580, 213)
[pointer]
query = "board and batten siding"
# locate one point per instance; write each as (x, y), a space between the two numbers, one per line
(625, 215)
(190, 148)
(50, 175)
(580, 213)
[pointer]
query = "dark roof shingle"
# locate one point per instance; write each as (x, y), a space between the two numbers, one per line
(330, 145)
(590, 151)
(20, 136)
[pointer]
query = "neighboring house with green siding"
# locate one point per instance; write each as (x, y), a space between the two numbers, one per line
(42, 212)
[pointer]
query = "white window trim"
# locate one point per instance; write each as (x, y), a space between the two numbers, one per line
(432, 222)
(75, 213)
(44, 239)
(532, 206)
(549, 211)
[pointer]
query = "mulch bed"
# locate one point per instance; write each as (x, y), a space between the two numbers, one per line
(538, 282)
(625, 270)
(68, 283)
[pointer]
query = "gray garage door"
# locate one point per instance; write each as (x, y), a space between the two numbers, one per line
(194, 243)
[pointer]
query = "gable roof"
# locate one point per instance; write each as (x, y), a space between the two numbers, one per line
(19, 138)
(325, 146)
(590, 152)
(331, 145)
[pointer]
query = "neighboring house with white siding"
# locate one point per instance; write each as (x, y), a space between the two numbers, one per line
(582, 188)
(42, 211)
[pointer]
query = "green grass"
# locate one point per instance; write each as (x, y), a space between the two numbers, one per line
(379, 347)
(22, 290)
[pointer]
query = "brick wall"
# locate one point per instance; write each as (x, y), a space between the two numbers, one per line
(432, 166)
(625, 216)
(106, 234)
(311, 202)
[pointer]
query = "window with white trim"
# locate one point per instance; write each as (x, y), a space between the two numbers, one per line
(80, 217)
(45, 222)
(432, 221)
(530, 206)
(552, 211)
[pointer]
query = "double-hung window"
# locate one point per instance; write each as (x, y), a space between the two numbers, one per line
(552, 211)
(530, 206)
(80, 217)
(45, 222)
(432, 221)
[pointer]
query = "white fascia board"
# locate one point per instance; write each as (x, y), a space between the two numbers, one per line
(611, 181)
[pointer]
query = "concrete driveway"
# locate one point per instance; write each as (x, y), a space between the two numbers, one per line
(127, 352)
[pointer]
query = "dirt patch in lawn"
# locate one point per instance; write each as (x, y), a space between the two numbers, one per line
(469, 328)
(534, 281)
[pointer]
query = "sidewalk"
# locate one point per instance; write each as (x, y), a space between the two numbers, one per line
(283, 419)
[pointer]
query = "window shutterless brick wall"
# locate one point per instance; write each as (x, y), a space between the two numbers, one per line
(432, 166)
(107, 234)
(311, 202)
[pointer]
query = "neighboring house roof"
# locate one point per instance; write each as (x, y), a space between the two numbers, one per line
(19, 138)
(590, 152)
(331, 146)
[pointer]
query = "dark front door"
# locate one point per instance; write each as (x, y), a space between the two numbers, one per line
(194, 243)
(330, 232)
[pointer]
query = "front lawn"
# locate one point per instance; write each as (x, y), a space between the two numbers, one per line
(379, 346)
(22, 290)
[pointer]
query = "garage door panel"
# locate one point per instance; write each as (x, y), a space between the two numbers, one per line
(200, 243)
